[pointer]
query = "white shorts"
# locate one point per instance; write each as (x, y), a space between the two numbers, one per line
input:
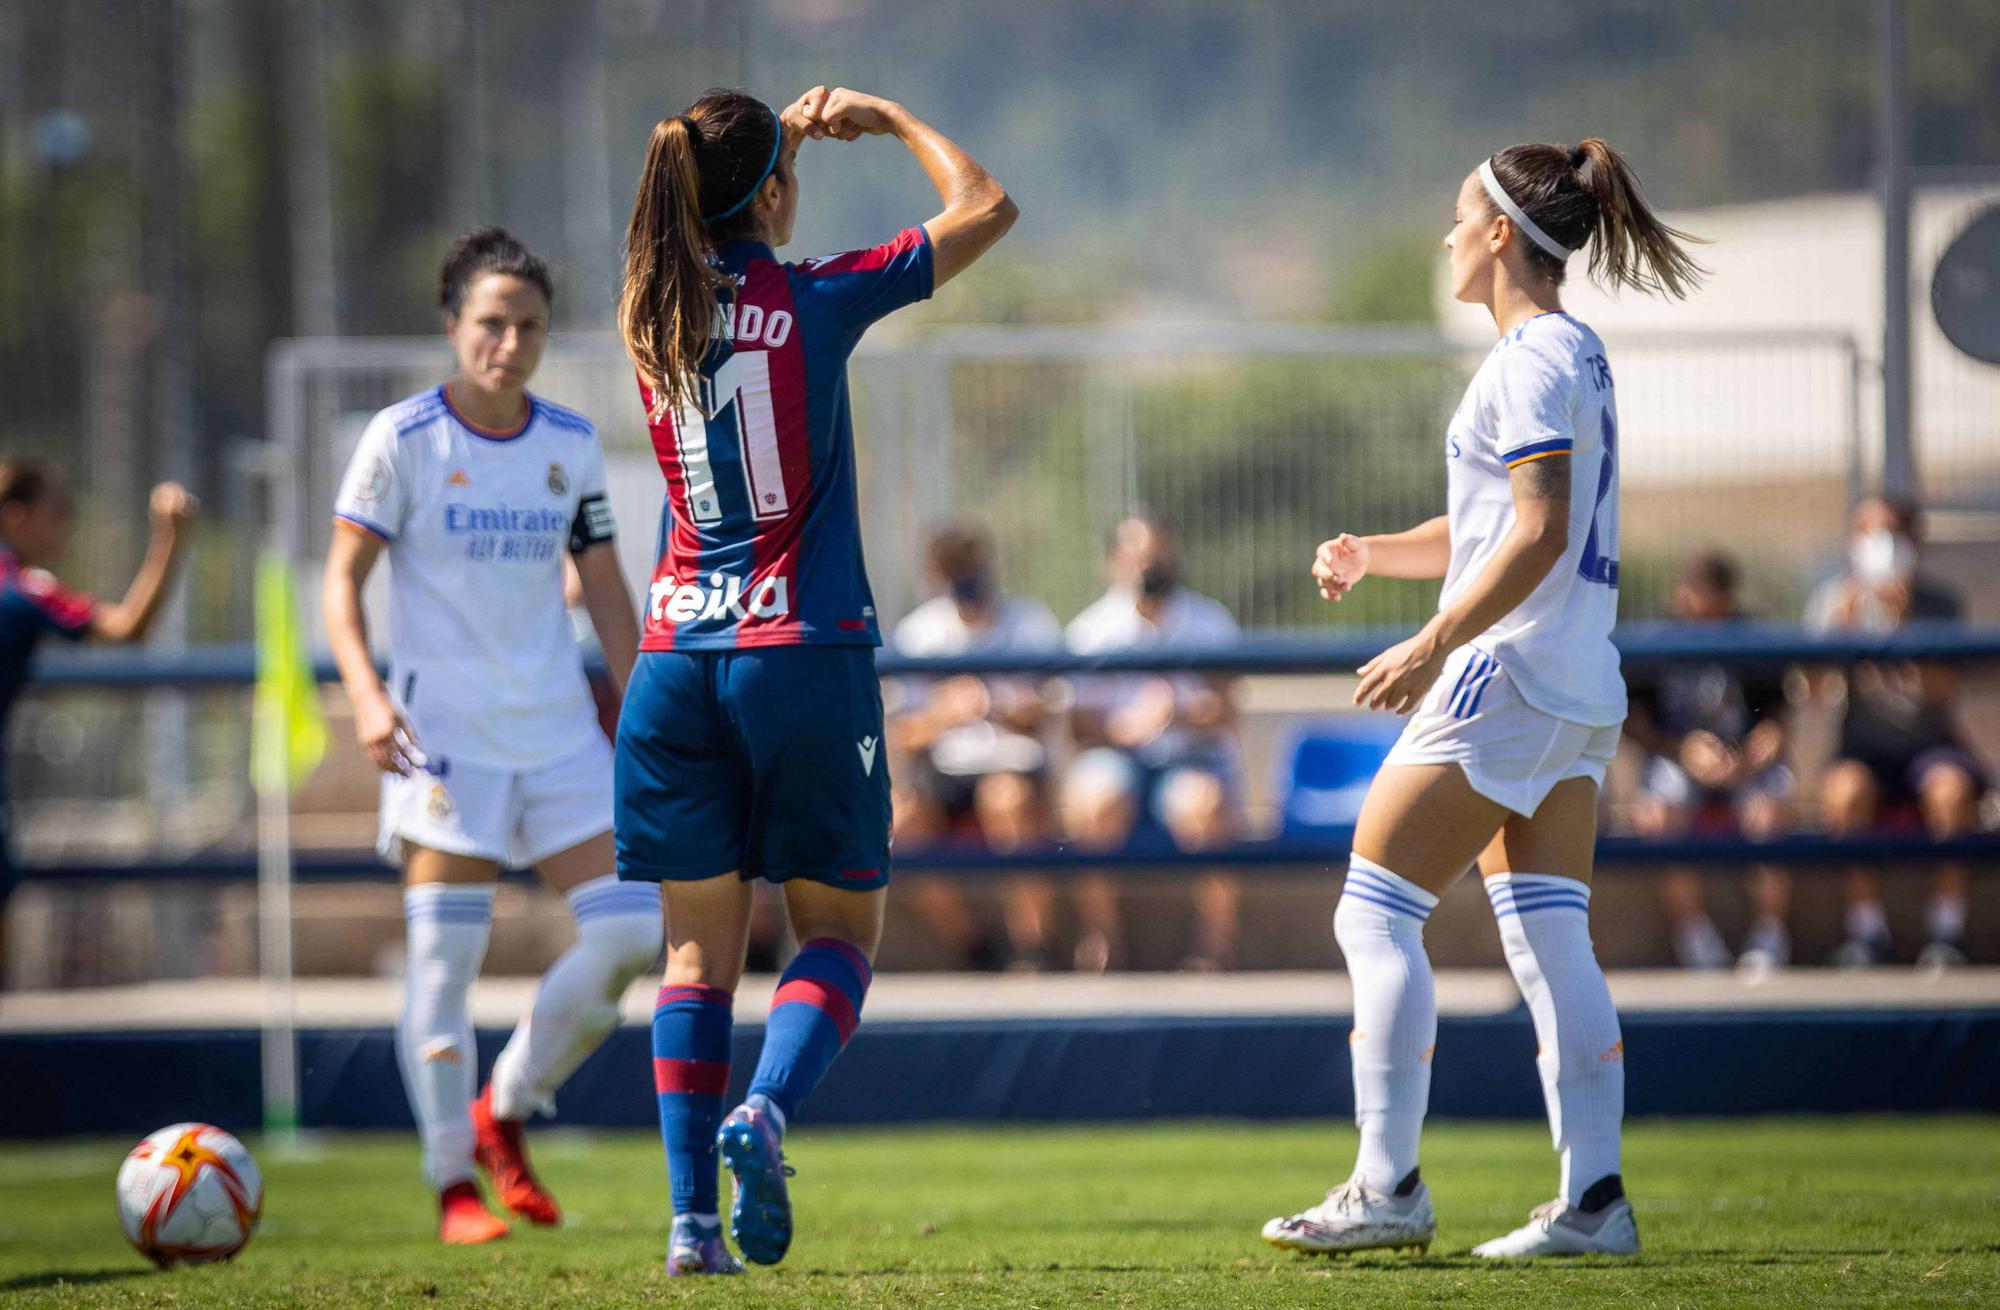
(516, 817)
(1512, 753)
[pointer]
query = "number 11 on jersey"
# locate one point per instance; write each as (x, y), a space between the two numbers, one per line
(742, 383)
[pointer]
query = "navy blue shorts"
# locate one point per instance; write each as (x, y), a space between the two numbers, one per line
(767, 763)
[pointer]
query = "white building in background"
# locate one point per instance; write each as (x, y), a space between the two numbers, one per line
(1764, 402)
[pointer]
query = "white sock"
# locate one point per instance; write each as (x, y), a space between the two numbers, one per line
(447, 925)
(1866, 922)
(1379, 924)
(618, 932)
(1945, 920)
(1767, 934)
(1545, 928)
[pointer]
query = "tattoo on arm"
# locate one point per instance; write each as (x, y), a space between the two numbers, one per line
(1547, 479)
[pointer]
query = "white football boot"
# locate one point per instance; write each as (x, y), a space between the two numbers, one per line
(1559, 1228)
(1356, 1217)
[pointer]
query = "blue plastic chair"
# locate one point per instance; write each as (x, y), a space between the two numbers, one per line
(1324, 767)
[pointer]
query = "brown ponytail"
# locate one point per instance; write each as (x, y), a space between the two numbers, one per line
(708, 160)
(666, 312)
(1590, 196)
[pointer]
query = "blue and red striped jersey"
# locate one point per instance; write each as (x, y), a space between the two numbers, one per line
(32, 605)
(760, 540)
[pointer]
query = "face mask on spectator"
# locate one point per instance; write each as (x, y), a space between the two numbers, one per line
(1157, 579)
(973, 589)
(1882, 556)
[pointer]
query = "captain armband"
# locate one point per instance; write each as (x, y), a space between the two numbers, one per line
(592, 524)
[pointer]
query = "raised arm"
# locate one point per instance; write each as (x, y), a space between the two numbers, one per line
(1398, 678)
(977, 209)
(172, 511)
(378, 724)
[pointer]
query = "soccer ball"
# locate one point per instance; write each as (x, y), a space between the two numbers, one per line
(189, 1194)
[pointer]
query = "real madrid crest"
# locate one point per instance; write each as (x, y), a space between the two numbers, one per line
(440, 801)
(558, 480)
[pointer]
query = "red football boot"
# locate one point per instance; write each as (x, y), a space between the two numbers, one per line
(500, 1151)
(463, 1219)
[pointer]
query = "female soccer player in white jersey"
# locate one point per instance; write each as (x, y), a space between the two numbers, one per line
(1515, 702)
(486, 733)
(751, 741)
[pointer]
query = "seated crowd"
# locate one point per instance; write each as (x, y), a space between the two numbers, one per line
(1111, 761)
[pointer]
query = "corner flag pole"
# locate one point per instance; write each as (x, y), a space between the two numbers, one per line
(288, 738)
(274, 920)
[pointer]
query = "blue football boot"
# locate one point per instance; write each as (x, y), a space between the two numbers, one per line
(761, 1219)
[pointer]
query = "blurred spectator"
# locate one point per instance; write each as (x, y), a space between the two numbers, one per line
(1899, 744)
(1158, 749)
(1714, 738)
(972, 747)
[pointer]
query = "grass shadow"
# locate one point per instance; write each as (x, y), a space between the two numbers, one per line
(70, 1277)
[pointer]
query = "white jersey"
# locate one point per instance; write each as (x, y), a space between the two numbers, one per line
(1020, 626)
(937, 629)
(483, 659)
(1544, 391)
(1187, 619)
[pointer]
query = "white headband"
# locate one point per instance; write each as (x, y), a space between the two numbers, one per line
(1515, 212)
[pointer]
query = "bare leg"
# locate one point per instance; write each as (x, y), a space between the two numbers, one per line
(1949, 797)
(1696, 943)
(1199, 817)
(1100, 819)
(1012, 819)
(1848, 801)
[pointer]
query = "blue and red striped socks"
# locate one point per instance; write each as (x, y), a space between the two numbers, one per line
(814, 1012)
(691, 1032)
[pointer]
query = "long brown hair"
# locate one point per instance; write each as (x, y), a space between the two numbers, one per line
(1588, 195)
(708, 161)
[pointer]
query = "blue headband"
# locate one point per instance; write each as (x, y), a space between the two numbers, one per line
(779, 144)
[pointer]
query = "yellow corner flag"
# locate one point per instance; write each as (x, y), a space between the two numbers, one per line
(288, 731)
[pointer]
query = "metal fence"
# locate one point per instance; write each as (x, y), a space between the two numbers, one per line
(1258, 441)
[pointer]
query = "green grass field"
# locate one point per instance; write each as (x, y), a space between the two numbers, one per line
(1821, 1213)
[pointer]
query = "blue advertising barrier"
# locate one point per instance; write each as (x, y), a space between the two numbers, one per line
(1679, 1063)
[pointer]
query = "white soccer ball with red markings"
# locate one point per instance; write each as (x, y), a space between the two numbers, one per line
(189, 1194)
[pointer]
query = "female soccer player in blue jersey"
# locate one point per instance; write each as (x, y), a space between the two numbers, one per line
(486, 732)
(1515, 698)
(751, 741)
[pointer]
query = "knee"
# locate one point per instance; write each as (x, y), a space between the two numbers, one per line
(1848, 795)
(1651, 817)
(1196, 805)
(1098, 800)
(629, 942)
(1950, 798)
(1761, 817)
(1005, 797)
(914, 819)
(688, 965)
(821, 913)
(1359, 928)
